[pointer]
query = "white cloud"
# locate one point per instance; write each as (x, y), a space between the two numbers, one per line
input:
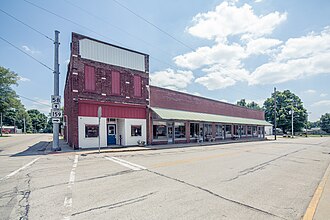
(218, 77)
(23, 79)
(219, 53)
(261, 45)
(322, 103)
(228, 20)
(170, 79)
(222, 63)
(30, 50)
(323, 94)
(298, 58)
(310, 91)
(257, 1)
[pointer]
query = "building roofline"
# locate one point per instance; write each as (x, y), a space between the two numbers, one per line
(113, 45)
(209, 99)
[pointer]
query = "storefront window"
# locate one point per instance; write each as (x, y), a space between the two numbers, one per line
(208, 129)
(243, 130)
(194, 128)
(254, 131)
(136, 130)
(249, 130)
(228, 130)
(159, 130)
(218, 130)
(180, 130)
(91, 131)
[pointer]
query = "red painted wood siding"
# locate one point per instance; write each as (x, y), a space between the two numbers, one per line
(115, 82)
(137, 86)
(112, 110)
(89, 78)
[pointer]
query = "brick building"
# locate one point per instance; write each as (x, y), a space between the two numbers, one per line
(117, 79)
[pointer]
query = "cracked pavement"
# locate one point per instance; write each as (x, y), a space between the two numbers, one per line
(255, 180)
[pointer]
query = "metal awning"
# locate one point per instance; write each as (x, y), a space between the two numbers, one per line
(170, 114)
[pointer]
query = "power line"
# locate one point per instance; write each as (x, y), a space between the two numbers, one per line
(116, 27)
(32, 100)
(155, 26)
(32, 28)
(26, 54)
(82, 26)
(71, 21)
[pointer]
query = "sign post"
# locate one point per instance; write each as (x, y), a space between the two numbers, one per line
(99, 115)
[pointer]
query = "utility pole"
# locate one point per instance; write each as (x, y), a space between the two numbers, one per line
(292, 120)
(56, 92)
(1, 124)
(275, 115)
(24, 126)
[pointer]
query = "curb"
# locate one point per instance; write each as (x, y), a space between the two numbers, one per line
(312, 207)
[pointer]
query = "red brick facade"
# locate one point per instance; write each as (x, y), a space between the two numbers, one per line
(75, 92)
(131, 102)
(164, 98)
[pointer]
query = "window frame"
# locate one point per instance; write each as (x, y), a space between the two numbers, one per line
(133, 133)
(97, 130)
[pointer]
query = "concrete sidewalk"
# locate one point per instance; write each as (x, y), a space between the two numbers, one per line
(322, 211)
(65, 148)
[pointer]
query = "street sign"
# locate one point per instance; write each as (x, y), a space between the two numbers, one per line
(56, 106)
(99, 112)
(56, 120)
(56, 99)
(56, 113)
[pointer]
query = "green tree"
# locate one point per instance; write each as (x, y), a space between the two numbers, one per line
(49, 126)
(251, 105)
(38, 120)
(241, 102)
(8, 97)
(286, 101)
(325, 122)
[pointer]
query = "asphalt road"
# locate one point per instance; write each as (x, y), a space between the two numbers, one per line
(256, 180)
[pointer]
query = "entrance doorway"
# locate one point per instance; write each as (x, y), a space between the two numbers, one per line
(111, 139)
(170, 136)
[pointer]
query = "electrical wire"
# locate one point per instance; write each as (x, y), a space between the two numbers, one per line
(155, 26)
(32, 28)
(71, 21)
(26, 54)
(32, 100)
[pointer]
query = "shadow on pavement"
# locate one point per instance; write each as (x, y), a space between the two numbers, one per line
(36, 149)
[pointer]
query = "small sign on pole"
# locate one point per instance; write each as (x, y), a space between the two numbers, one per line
(99, 115)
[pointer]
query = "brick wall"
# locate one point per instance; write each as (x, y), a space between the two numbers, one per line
(165, 98)
(75, 87)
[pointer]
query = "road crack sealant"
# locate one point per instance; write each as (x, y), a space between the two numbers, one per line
(261, 166)
(117, 204)
(217, 195)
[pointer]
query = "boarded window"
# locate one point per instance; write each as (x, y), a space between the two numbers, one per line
(137, 86)
(115, 83)
(89, 78)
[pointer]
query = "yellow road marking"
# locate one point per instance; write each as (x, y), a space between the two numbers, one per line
(309, 214)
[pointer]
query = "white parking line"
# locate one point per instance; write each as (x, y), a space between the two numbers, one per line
(125, 163)
(20, 169)
(68, 199)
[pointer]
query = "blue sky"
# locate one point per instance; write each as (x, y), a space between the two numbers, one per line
(232, 49)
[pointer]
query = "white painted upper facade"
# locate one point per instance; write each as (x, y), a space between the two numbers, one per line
(105, 53)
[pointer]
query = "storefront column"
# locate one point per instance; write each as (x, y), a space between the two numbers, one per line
(187, 131)
(213, 130)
